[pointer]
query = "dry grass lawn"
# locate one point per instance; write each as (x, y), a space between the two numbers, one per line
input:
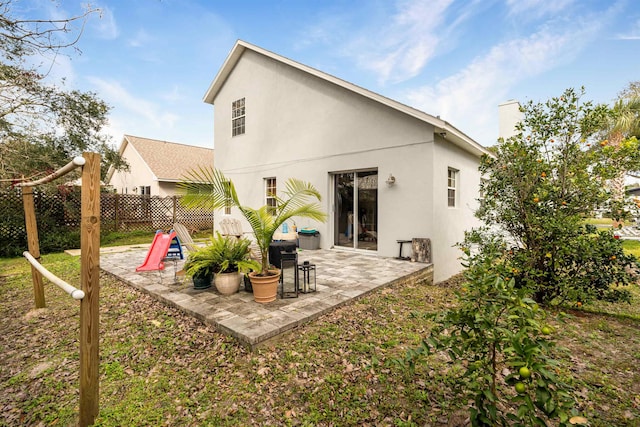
(161, 367)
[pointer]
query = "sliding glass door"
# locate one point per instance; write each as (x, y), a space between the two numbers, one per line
(356, 210)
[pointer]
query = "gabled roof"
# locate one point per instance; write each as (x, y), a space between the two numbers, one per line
(449, 132)
(168, 161)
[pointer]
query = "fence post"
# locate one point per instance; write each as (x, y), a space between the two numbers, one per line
(33, 243)
(175, 213)
(116, 207)
(90, 281)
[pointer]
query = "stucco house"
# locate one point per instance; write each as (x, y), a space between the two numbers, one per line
(155, 167)
(386, 171)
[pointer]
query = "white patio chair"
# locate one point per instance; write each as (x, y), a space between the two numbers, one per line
(231, 227)
(184, 236)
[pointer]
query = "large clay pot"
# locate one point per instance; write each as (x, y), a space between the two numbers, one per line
(265, 288)
(228, 283)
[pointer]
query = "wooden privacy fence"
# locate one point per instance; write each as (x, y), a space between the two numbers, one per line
(89, 272)
(141, 212)
(59, 212)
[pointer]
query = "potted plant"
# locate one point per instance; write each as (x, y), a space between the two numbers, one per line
(208, 188)
(234, 259)
(223, 257)
(200, 266)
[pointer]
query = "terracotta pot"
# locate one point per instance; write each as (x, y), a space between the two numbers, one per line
(228, 283)
(265, 288)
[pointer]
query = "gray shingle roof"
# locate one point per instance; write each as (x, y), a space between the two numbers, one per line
(170, 161)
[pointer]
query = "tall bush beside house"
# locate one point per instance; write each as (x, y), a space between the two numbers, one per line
(208, 188)
(540, 186)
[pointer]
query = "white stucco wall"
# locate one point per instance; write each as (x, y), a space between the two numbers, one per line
(165, 189)
(298, 125)
(450, 223)
(138, 175)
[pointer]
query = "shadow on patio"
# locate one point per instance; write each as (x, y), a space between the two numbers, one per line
(341, 277)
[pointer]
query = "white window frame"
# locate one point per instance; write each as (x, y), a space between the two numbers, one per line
(238, 113)
(453, 177)
(270, 192)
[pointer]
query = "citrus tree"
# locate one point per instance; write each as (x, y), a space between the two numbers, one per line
(539, 187)
(499, 348)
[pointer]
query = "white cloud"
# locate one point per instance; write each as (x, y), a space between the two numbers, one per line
(401, 49)
(62, 69)
(533, 9)
(176, 94)
(632, 33)
(106, 26)
(132, 110)
(140, 39)
(469, 98)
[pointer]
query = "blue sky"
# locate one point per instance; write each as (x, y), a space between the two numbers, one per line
(153, 60)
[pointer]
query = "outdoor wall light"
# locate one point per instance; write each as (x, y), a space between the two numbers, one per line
(391, 180)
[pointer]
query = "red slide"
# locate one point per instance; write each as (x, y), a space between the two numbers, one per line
(157, 252)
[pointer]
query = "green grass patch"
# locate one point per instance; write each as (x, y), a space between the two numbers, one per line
(599, 222)
(632, 247)
(138, 237)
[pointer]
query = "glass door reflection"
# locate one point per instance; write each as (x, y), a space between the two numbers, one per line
(356, 210)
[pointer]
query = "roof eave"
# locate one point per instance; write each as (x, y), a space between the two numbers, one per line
(460, 139)
(111, 169)
(224, 72)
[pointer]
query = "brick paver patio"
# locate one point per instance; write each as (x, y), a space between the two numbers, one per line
(341, 277)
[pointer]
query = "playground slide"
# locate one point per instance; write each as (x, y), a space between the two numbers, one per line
(157, 252)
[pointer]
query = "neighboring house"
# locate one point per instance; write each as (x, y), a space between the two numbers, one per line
(386, 171)
(155, 166)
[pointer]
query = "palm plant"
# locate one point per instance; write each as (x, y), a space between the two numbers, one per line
(625, 122)
(208, 188)
(220, 255)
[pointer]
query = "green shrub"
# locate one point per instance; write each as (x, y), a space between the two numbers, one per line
(499, 347)
(540, 186)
